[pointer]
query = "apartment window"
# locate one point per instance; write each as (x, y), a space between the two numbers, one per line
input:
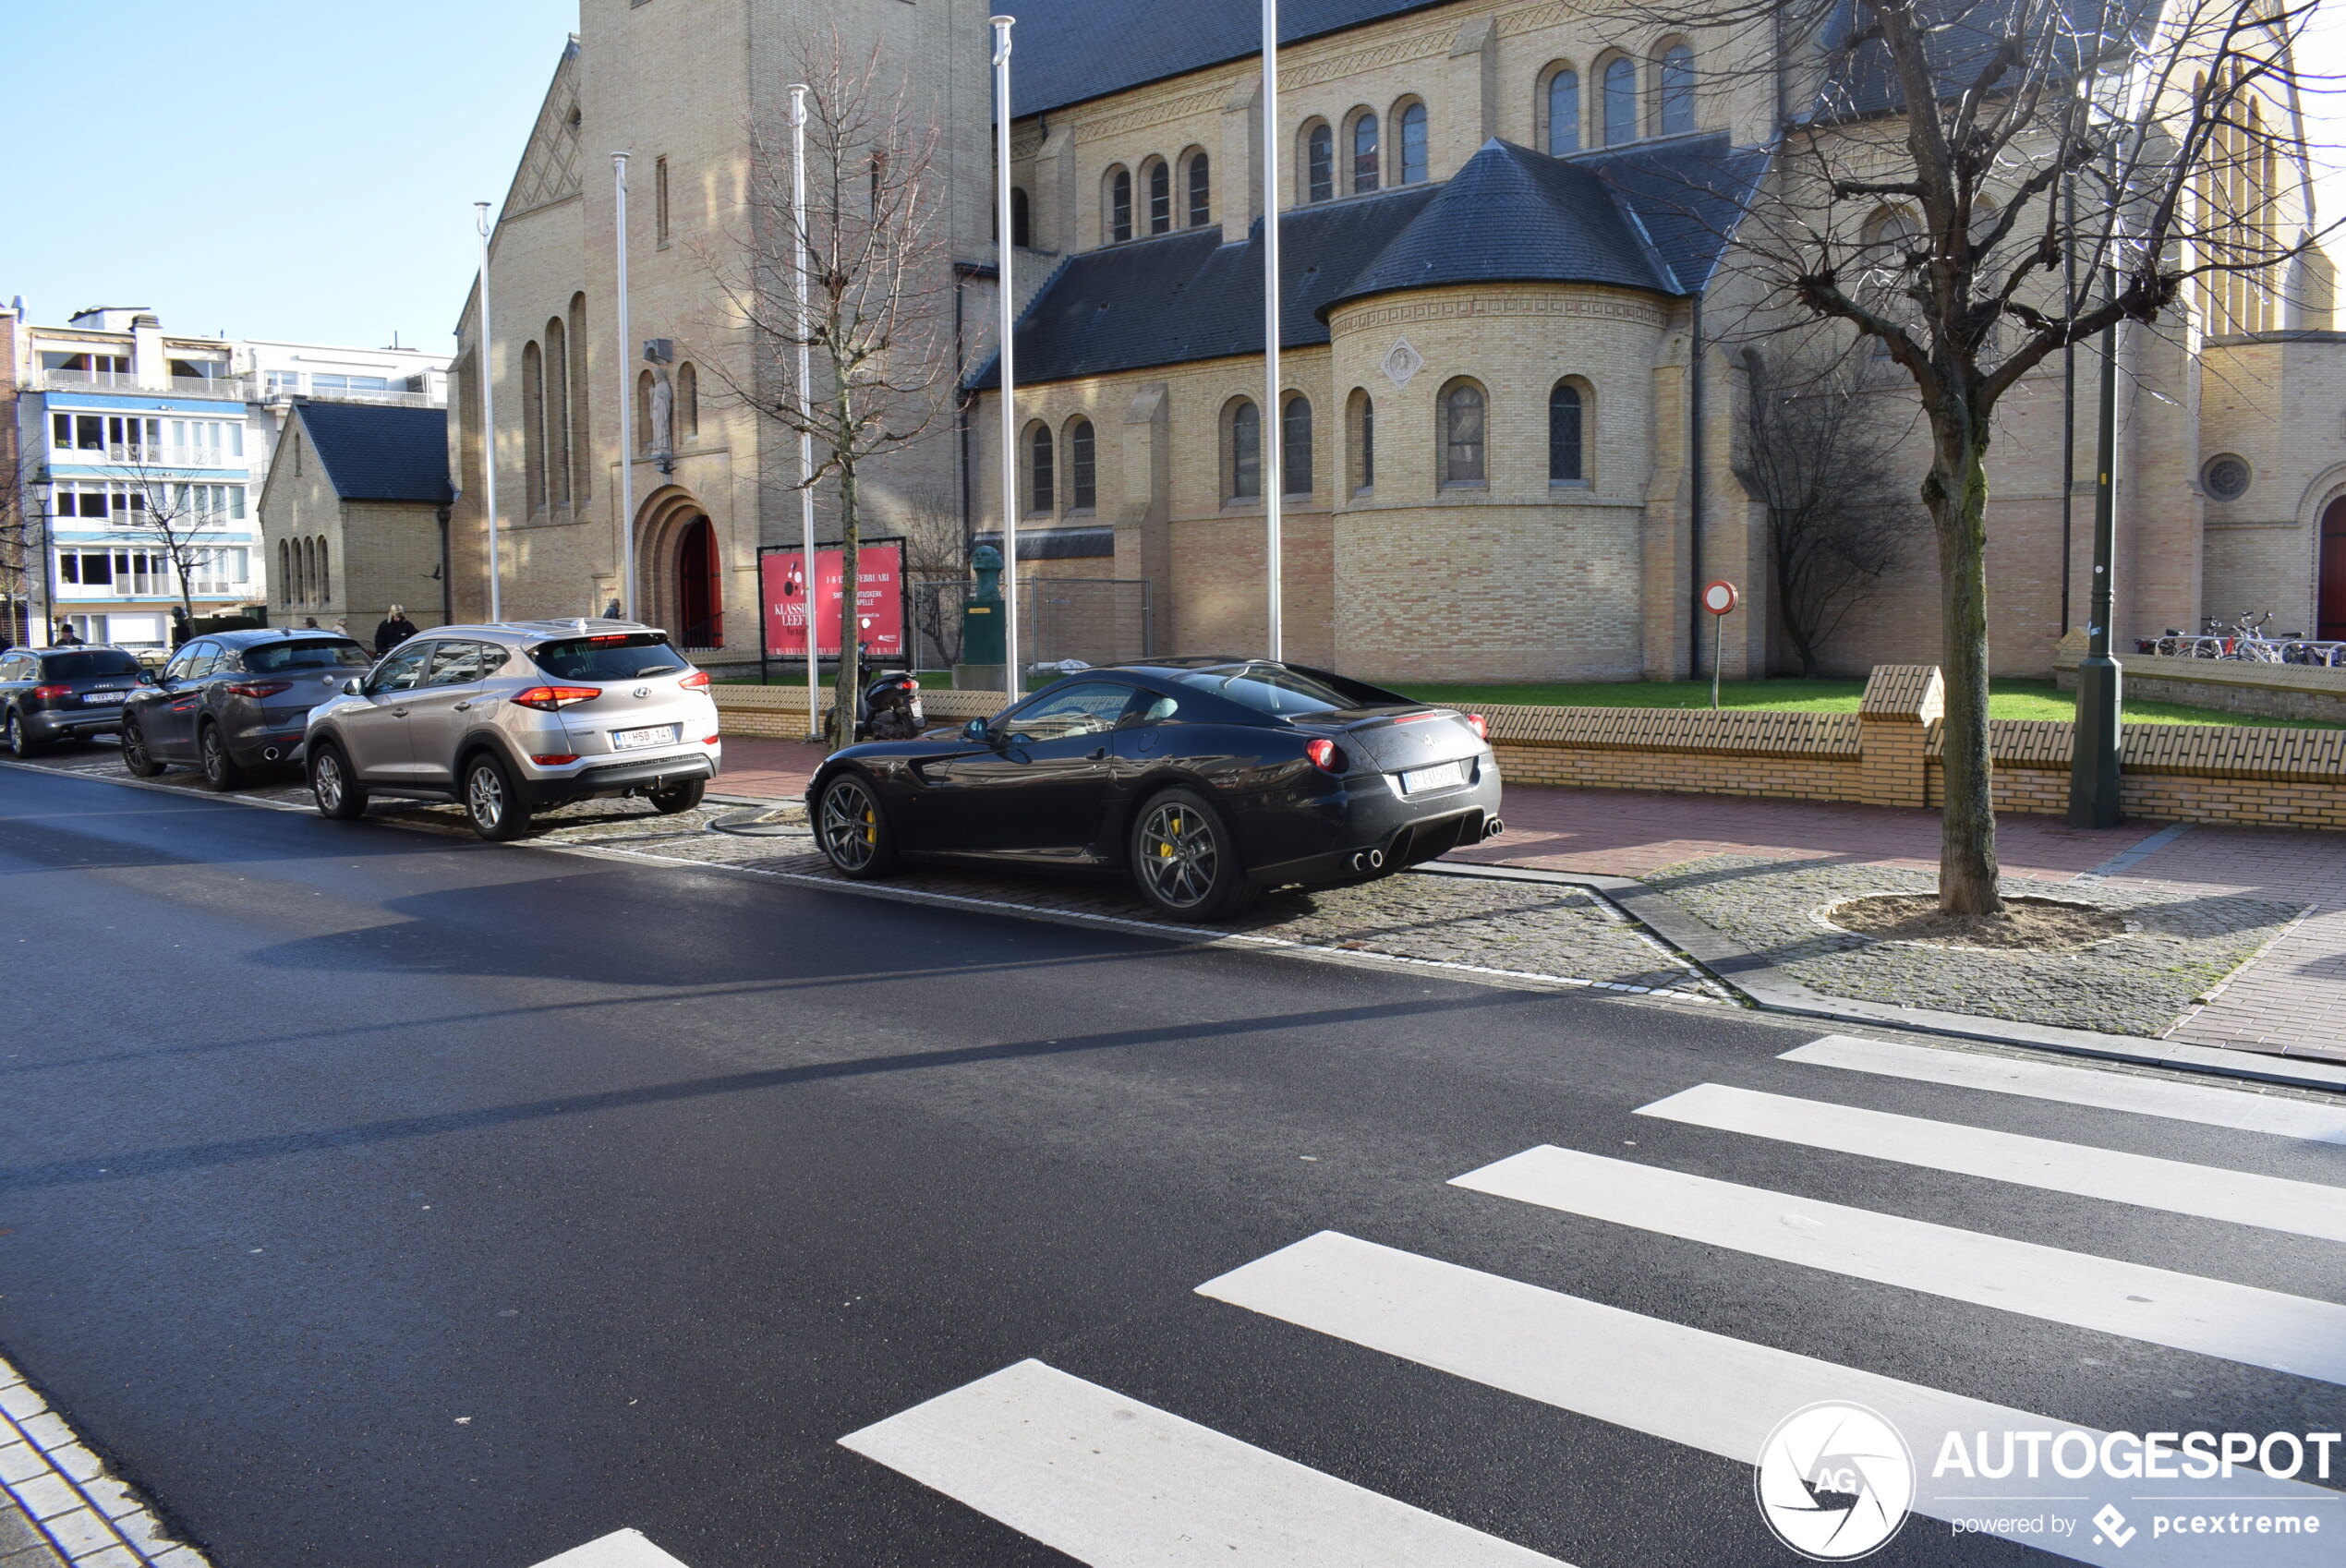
(123, 440)
(1201, 191)
(322, 384)
(1413, 144)
(1083, 468)
(225, 570)
(1566, 465)
(1160, 198)
(1295, 448)
(1462, 434)
(1564, 112)
(110, 573)
(1246, 451)
(282, 384)
(1364, 154)
(1677, 90)
(1620, 102)
(1041, 492)
(660, 201)
(1319, 160)
(1119, 204)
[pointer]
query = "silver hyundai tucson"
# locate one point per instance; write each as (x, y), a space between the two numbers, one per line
(507, 718)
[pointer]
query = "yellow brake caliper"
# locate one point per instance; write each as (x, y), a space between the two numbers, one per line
(1165, 845)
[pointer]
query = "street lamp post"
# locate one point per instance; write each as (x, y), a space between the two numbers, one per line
(806, 398)
(1007, 311)
(1274, 416)
(626, 395)
(2094, 756)
(489, 421)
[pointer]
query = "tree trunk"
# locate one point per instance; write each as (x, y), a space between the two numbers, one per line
(1956, 494)
(849, 660)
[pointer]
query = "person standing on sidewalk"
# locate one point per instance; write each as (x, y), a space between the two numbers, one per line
(395, 629)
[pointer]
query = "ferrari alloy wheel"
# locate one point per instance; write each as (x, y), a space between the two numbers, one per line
(1183, 859)
(854, 835)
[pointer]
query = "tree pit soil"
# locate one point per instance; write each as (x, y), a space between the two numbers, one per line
(2034, 925)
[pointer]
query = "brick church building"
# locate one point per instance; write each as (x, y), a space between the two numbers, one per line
(1510, 414)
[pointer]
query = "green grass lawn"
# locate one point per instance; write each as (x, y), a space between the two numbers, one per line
(2006, 699)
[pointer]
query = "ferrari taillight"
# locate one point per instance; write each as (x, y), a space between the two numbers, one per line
(1325, 754)
(1480, 726)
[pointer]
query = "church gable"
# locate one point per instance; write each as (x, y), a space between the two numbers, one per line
(548, 169)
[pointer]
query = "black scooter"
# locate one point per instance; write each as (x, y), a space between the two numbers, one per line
(890, 708)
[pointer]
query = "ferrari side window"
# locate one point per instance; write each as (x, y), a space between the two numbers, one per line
(1147, 708)
(1073, 708)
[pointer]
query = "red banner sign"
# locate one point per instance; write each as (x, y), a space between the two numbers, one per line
(879, 602)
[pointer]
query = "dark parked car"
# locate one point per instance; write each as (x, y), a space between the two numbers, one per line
(52, 694)
(236, 700)
(1206, 779)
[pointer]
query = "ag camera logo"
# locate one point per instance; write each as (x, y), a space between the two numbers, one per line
(1834, 1481)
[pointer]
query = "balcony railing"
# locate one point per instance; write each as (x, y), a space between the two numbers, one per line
(226, 388)
(393, 398)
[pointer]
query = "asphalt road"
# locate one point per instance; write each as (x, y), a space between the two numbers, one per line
(377, 1199)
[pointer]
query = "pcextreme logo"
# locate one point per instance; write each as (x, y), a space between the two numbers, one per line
(1834, 1481)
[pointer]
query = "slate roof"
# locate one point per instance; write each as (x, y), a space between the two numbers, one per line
(1063, 52)
(1964, 39)
(375, 452)
(1654, 218)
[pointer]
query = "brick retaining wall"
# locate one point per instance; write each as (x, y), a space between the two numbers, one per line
(2270, 691)
(1886, 754)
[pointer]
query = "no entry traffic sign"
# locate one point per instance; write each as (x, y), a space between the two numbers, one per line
(1720, 598)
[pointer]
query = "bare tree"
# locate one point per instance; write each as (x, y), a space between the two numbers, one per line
(22, 541)
(1942, 165)
(868, 296)
(170, 515)
(1820, 454)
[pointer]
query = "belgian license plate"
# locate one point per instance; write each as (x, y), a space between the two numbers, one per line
(636, 740)
(1447, 777)
(103, 696)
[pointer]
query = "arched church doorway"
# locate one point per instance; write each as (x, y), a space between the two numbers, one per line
(2333, 580)
(700, 592)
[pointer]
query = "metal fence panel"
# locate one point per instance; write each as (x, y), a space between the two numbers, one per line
(1094, 619)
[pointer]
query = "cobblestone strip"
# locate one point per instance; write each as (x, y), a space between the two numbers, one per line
(81, 1514)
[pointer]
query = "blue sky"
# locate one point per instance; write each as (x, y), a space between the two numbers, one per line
(267, 168)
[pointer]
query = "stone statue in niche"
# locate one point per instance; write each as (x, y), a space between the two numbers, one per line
(663, 411)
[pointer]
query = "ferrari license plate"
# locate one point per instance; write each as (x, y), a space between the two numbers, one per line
(1449, 776)
(636, 740)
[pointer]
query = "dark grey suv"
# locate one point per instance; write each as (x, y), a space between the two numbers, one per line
(52, 694)
(234, 701)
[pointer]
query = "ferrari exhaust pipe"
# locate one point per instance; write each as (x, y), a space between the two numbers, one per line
(1493, 827)
(1369, 860)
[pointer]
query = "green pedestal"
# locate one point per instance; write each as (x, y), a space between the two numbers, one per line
(982, 631)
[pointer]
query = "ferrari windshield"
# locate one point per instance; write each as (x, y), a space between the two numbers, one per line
(1285, 692)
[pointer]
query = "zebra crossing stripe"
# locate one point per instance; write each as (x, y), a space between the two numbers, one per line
(2303, 1208)
(2237, 1322)
(2080, 1086)
(1706, 1391)
(1118, 1484)
(620, 1549)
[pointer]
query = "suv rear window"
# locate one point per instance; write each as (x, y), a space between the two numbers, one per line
(82, 666)
(620, 657)
(318, 652)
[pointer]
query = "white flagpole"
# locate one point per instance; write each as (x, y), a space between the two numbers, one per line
(1274, 416)
(806, 381)
(1008, 313)
(489, 421)
(627, 399)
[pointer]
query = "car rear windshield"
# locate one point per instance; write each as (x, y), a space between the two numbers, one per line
(1285, 692)
(619, 656)
(82, 666)
(323, 652)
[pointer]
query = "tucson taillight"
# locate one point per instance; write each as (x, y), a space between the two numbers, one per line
(555, 759)
(260, 688)
(1325, 754)
(51, 692)
(1480, 726)
(696, 682)
(546, 699)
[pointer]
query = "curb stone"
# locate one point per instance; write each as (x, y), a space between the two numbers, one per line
(72, 1511)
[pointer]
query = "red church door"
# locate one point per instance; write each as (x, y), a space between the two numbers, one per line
(2333, 601)
(700, 603)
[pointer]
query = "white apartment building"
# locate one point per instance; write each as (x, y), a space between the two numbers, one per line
(124, 431)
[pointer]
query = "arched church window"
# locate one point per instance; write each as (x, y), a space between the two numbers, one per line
(1319, 162)
(1364, 154)
(1295, 448)
(557, 413)
(1566, 465)
(1201, 191)
(1021, 226)
(1414, 147)
(1564, 111)
(1363, 441)
(533, 425)
(1083, 468)
(1040, 489)
(688, 412)
(1620, 101)
(1462, 434)
(1245, 474)
(1677, 90)
(1119, 204)
(1160, 198)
